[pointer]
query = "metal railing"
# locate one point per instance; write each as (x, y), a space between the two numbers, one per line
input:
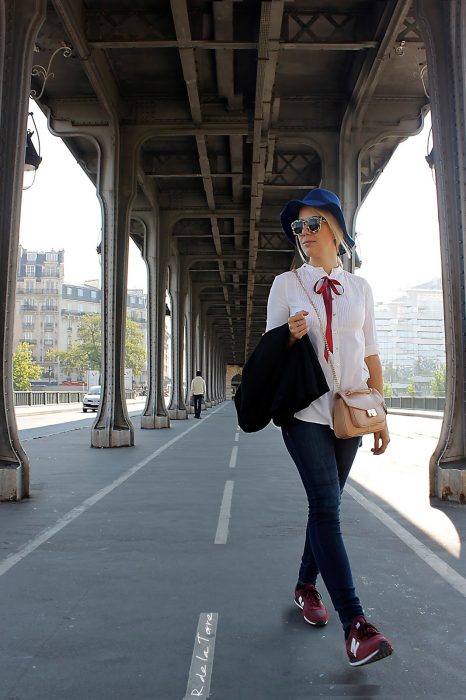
(417, 403)
(51, 398)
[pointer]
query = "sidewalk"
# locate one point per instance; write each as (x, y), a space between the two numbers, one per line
(204, 524)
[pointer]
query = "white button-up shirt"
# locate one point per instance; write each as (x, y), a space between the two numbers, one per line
(353, 329)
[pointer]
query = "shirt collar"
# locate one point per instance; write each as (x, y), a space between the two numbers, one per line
(318, 272)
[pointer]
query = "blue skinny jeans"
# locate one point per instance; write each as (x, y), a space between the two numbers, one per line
(323, 463)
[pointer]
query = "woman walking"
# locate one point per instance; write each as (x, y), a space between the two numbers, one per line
(345, 341)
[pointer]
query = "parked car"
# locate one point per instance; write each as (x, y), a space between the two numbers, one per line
(92, 399)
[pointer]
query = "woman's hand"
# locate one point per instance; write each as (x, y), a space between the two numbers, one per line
(298, 326)
(381, 440)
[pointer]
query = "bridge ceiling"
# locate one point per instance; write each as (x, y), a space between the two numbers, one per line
(238, 101)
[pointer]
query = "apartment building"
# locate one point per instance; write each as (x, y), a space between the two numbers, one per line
(48, 309)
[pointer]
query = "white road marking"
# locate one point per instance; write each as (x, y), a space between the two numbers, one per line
(68, 518)
(449, 574)
(202, 661)
(237, 437)
(234, 457)
(221, 535)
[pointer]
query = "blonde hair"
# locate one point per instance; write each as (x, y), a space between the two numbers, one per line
(335, 228)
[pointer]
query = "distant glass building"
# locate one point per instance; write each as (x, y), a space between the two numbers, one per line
(411, 334)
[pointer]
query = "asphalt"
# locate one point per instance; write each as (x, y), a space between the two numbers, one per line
(107, 570)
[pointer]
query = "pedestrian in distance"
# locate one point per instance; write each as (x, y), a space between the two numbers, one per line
(346, 331)
(198, 390)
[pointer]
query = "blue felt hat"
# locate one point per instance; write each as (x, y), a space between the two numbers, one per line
(322, 199)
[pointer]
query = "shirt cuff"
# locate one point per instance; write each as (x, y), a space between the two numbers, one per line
(371, 350)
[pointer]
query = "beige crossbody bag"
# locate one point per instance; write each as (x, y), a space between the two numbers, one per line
(357, 412)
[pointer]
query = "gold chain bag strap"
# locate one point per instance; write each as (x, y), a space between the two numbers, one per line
(357, 412)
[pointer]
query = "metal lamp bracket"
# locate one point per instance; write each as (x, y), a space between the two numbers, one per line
(45, 73)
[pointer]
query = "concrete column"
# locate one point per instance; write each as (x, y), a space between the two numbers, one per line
(19, 23)
(214, 375)
(443, 26)
(201, 343)
(213, 393)
(116, 190)
(186, 298)
(206, 358)
(189, 344)
(155, 415)
(192, 343)
(177, 409)
(217, 377)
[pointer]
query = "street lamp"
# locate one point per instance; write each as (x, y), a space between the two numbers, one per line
(32, 159)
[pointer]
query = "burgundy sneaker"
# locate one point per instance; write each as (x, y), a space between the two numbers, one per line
(308, 598)
(365, 644)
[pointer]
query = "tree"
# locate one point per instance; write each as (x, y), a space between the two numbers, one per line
(438, 384)
(25, 370)
(411, 389)
(425, 366)
(86, 352)
(387, 390)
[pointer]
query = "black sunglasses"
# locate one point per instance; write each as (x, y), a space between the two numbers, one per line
(312, 224)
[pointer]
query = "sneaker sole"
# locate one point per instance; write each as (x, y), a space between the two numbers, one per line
(382, 652)
(314, 624)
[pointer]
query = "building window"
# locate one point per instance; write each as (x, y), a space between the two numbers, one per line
(94, 295)
(30, 270)
(29, 287)
(27, 336)
(80, 293)
(51, 257)
(69, 291)
(31, 257)
(48, 340)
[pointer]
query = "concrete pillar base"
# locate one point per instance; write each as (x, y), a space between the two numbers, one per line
(10, 483)
(154, 422)
(208, 404)
(178, 413)
(112, 438)
(451, 484)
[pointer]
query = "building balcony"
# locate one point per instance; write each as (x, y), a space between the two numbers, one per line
(49, 326)
(29, 307)
(49, 307)
(67, 312)
(28, 326)
(48, 343)
(27, 340)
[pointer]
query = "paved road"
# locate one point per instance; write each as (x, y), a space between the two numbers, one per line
(167, 569)
(62, 419)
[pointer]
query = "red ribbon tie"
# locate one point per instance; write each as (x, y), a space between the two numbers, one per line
(326, 286)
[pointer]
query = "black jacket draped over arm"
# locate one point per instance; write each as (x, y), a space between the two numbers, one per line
(278, 381)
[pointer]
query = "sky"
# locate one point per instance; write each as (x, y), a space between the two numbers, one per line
(397, 225)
